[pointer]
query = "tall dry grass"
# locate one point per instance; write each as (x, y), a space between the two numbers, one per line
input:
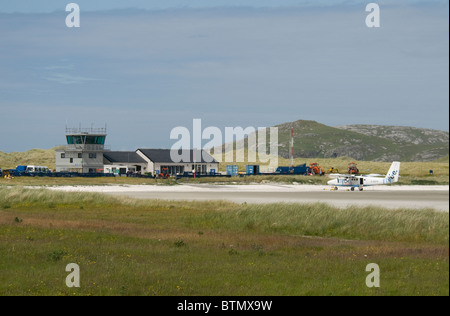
(318, 219)
(137, 247)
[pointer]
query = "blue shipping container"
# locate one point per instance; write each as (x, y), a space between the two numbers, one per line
(232, 170)
(301, 169)
(284, 170)
(252, 169)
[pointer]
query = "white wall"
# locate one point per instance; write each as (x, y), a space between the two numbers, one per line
(150, 165)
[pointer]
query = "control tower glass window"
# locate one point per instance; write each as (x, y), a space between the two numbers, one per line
(75, 139)
(95, 140)
(85, 140)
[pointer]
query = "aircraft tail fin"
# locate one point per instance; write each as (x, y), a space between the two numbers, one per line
(393, 172)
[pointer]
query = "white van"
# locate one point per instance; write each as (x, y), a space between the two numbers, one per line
(37, 169)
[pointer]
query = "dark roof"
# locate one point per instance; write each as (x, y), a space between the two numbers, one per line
(123, 157)
(163, 155)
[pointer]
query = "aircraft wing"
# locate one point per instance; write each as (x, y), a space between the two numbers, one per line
(342, 176)
(334, 175)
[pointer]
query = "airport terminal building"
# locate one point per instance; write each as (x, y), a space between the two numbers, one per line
(86, 152)
(160, 161)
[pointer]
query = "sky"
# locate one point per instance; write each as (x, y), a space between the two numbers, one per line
(143, 68)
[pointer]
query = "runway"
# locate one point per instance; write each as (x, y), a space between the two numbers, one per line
(393, 197)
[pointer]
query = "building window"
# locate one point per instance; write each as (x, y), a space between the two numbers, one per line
(92, 156)
(71, 160)
(80, 155)
(95, 140)
(63, 155)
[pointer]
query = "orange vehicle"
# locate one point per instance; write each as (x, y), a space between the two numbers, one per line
(352, 169)
(164, 173)
(316, 169)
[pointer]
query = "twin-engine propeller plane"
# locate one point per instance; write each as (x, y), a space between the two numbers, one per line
(354, 181)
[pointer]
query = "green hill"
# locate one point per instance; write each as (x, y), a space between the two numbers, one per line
(362, 142)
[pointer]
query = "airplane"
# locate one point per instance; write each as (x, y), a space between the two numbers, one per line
(354, 181)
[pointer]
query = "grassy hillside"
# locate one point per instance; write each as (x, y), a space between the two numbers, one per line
(39, 157)
(442, 160)
(401, 134)
(363, 142)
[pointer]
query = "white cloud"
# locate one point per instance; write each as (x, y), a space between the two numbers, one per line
(68, 79)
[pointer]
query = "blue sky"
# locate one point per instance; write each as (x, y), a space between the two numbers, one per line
(231, 63)
(48, 6)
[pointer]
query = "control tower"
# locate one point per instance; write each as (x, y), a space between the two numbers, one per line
(83, 152)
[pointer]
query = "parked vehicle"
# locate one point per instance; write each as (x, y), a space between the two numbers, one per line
(33, 169)
(300, 169)
(352, 169)
(316, 169)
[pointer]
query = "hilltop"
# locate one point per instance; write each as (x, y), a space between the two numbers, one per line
(400, 134)
(363, 142)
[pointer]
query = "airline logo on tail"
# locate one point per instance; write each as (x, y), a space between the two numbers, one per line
(393, 173)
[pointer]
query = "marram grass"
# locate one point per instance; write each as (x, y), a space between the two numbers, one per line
(316, 219)
(137, 247)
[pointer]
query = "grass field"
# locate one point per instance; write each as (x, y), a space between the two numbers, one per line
(134, 247)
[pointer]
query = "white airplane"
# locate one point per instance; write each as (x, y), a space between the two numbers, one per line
(354, 181)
